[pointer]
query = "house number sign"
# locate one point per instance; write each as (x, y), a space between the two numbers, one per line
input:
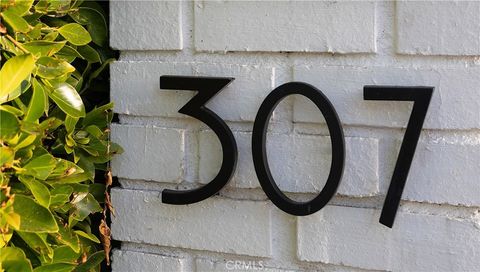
(208, 87)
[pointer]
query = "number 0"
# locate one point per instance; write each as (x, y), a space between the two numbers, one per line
(259, 136)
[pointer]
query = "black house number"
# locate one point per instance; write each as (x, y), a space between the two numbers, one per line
(208, 87)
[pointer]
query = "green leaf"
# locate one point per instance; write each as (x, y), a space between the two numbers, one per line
(32, 18)
(96, 6)
(97, 72)
(81, 137)
(58, 7)
(24, 86)
(8, 46)
(25, 140)
(65, 254)
(40, 167)
(26, 153)
(94, 130)
(75, 34)
(12, 110)
(98, 191)
(39, 151)
(13, 72)
(44, 48)
(21, 7)
(19, 104)
(37, 103)
(9, 125)
(70, 179)
(7, 155)
(100, 116)
(67, 237)
(88, 236)
(77, 3)
(51, 36)
(15, 21)
(13, 259)
(61, 195)
(87, 165)
(13, 219)
(54, 8)
(70, 123)
(106, 157)
(88, 53)
(95, 22)
(30, 127)
(38, 189)
(93, 261)
(38, 242)
(51, 68)
(34, 217)
(47, 104)
(51, 123)
(68, 54)
(73, 81)
(68, 100)
(65, 168)
(84, 204)
(36, 32)
(57, 267)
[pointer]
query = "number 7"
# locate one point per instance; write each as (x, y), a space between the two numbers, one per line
(421, 100)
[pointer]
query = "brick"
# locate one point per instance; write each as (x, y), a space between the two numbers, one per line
(127, 261)
(456, 95)
(299, 163)
(145, 25)
(418, 242)
(215, 224)
(342, 27)
(136, 89)
(150, 153)
(445, 172)
(438, 27)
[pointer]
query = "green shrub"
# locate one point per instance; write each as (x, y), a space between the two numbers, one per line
(51, 146)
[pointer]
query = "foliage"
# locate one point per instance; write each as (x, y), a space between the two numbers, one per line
(51, 145)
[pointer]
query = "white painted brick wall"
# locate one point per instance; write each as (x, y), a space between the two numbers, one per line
(418, 242)
(446, 172)
(143, 145)
(230, 226)
(438, 28)
(338, 47)
(343, 27)
(128, 261)
(145, 25)
(136, 86)
(299, 163)
(447, 109)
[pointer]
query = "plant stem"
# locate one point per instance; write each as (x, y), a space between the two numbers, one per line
(17, 44)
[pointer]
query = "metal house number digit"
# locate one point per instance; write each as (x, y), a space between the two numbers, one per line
(207, 88)
(259, 152)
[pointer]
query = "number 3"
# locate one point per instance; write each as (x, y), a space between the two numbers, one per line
(207, 88)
